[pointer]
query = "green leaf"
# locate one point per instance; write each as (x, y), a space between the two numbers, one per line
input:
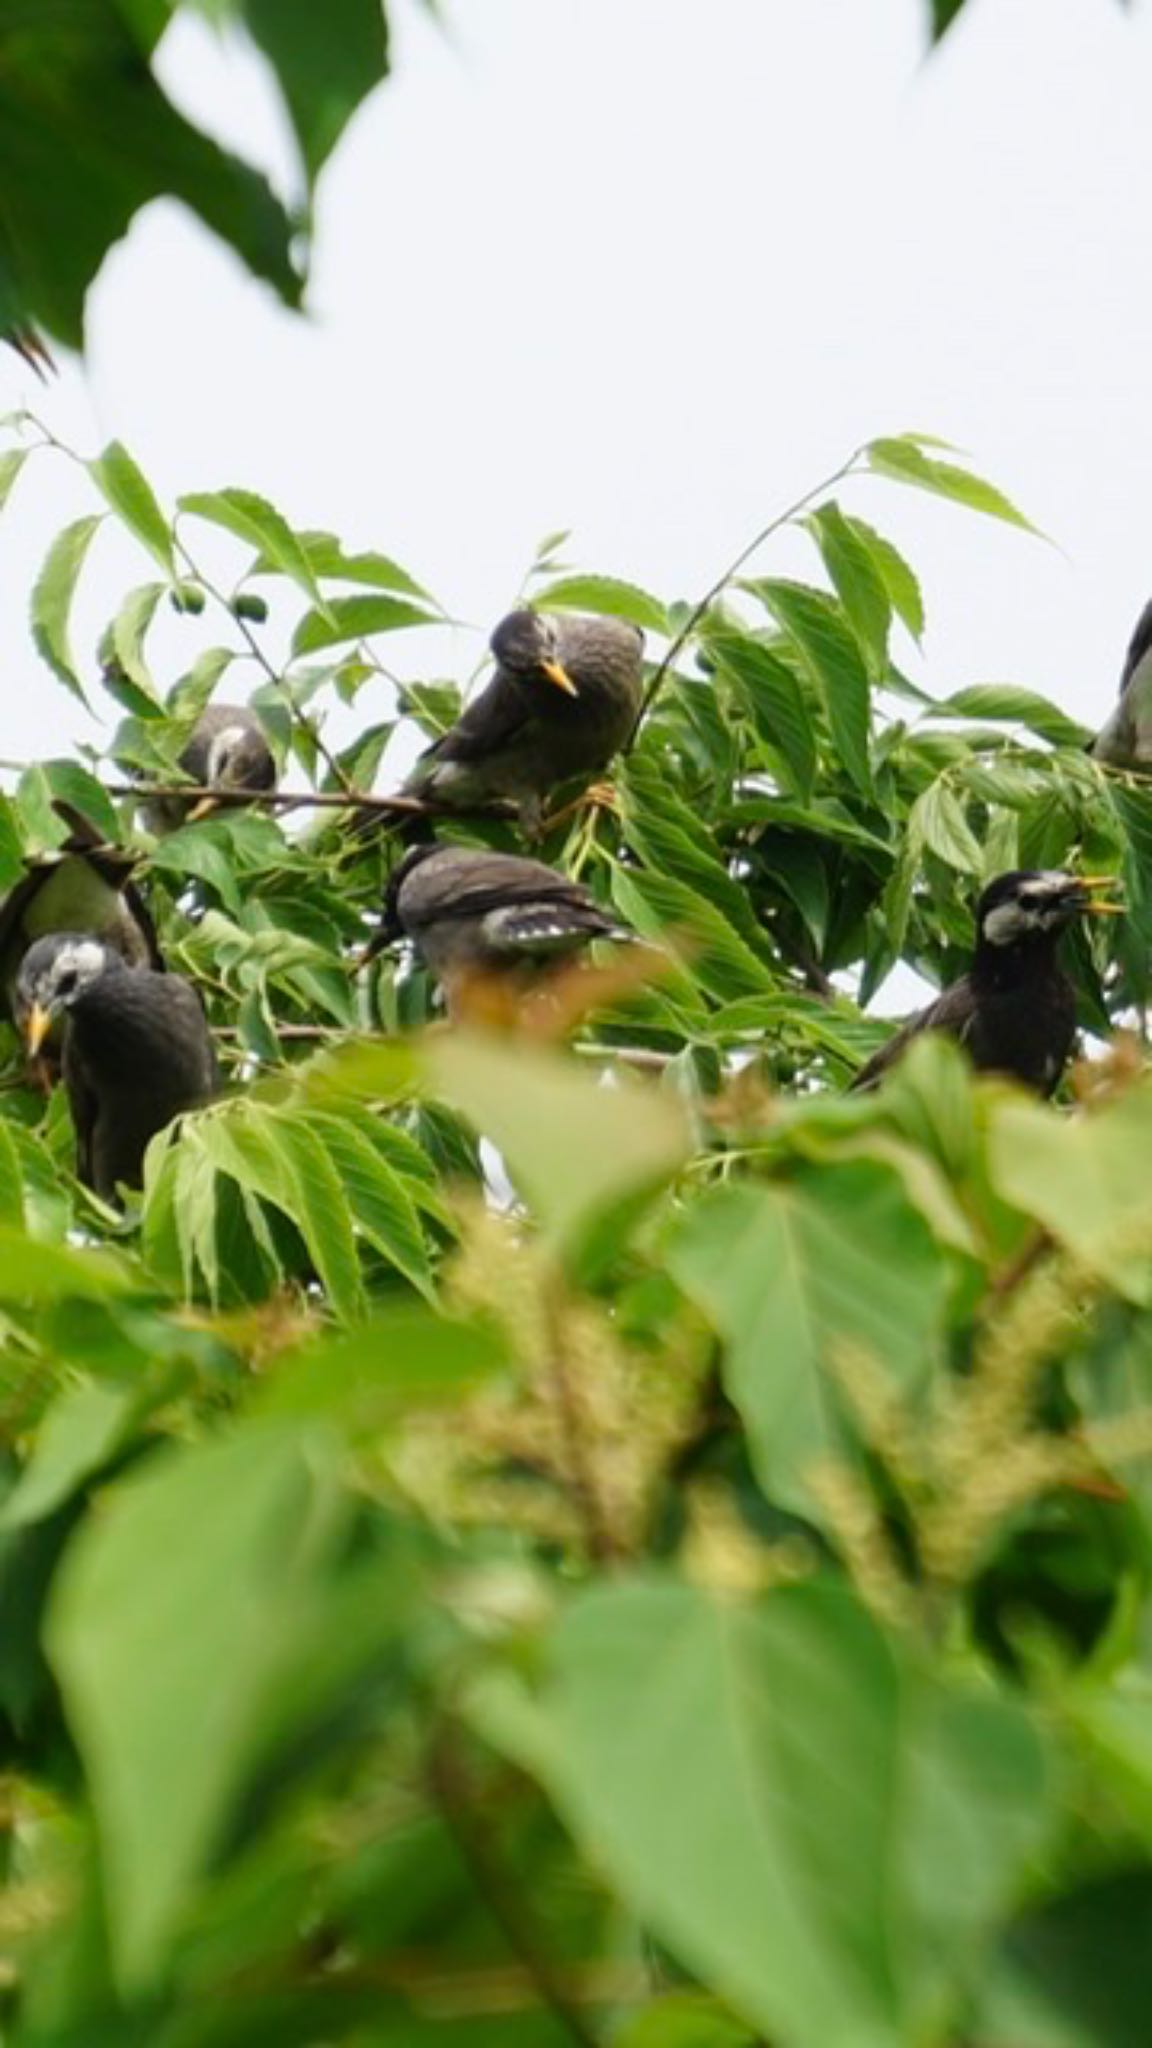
(87, 139)
(327, 61)
(773, 699)
(857, 580)
(169, 1650)
(356, 618)
(12, 461)
(82, 1431)
(692, 930)
(898, 579)
(284, 1163)
(573, 1146)
(401, 1361)
(131, 496)
(944, 13)
(329, 557)
(35, 1272)
(251, 518)
(1017, 707)
(905, 459)
(52, 596)
(807, 1867)
(128, 631)
(1084, 1179)
(830, 653)
(604, 594)
(790, 1275)
(382, 1209)
(939, 823)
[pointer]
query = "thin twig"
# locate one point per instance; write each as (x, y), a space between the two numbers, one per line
(276, 800)
(453, 1794)
(722, 582)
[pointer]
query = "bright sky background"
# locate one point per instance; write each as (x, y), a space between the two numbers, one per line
(648, 269)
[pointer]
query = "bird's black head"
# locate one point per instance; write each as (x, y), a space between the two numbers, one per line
(526, 645)
(54, 973)
(1030, 905)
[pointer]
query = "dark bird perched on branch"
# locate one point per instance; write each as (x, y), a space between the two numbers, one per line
(471, 913)
(1014, 1012)
(226, 752)
(563, 701)
(1126, 740)
(83, 886)
(137, 1050)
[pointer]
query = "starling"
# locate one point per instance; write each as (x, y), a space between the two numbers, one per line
(137, 1050)
(227, 752)
(1126, 740)
(471, 912)
(1014, 1012)
(564, 699)
(83, 886)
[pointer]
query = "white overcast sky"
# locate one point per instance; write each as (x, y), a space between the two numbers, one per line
(647, 269)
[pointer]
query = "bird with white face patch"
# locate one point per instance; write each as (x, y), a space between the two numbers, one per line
(1014, 1012)
(226, 752)
(563, 701)
(137, 1050)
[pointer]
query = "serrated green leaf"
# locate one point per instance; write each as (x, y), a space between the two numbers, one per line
(329, 557)
(605, 594)
(899, 580)
(857, 580)
(941, 826)
(382, 1209)
(905, 460)
(252, 518)
(52, 596)
(828, 648)
(132, 498)
(356, 618)
(1018, 707)
(128, 631)
(773, 699)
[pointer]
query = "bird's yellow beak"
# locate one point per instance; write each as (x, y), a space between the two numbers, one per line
(558, 674)
(203, 809)
(1092, 908)
(37, 1025)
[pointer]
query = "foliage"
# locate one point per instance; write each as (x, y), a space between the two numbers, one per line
(683, 1583)
(88, 136)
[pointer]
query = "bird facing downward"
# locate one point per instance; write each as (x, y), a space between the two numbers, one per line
(226, 752)
(470, 912)
(137, 1049)
(563, 701)
(1014, 1012)
(1126, 740)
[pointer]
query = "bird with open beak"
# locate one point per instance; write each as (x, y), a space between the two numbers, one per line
(137, 1050)
(1014, 1011)
(563, 701)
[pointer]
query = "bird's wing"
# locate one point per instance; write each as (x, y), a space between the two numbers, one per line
(499, 881)
(84, 1104)
(493, 719)
(1139, 645)
(953, 1013)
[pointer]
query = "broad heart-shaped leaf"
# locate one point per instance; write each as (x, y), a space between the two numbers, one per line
(130, 495)
(1085, 1179)
(903, 457)
(774, 701)
(573, 1145)
(175, 1618)
(53, 592)
(87, 137)
(832, 657)
(790, 1273)
(818, 1832)
(604, 594)
(327, 60)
